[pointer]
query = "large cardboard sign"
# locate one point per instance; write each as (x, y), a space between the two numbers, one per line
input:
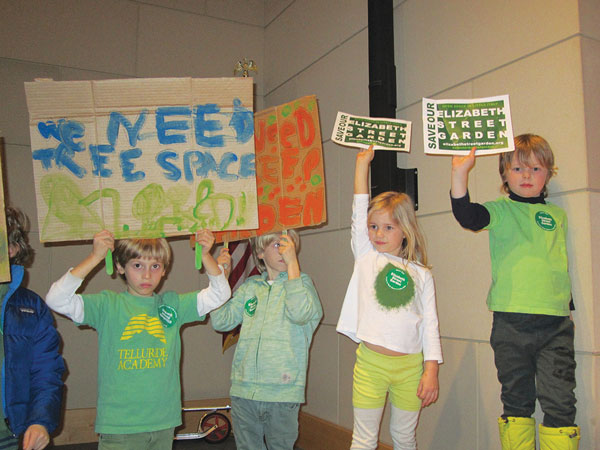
(142, 157)
(453, 127)
(362, 132)
(289, 169)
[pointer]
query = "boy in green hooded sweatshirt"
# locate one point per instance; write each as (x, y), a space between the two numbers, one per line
(279, 311)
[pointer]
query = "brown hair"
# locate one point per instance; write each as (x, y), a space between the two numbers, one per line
(402, 210)
(128, 249)
(526, 146)
(259, 243)
(17, 228)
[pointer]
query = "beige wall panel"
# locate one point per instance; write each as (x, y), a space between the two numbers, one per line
(550, 105)
(595, 264)
(322, 372)
(305, 32)
(283, 94)
(579, 248)
(327, 258)
(438, 44)
(80, 352)
(590, 52)
(275, 7)
(330, 79)
(588, 403)
(250, 12)
(489, 406)
(347, 358)
(202, 47)
(183, 276)
(205, 369)
(14, 117)
(449, 423)
(193, 6)
(70, 74)
(589, 15)
(76, 33)
(63, 256)
(18, 182)
(461, 270)
(332, 154)
(37, 276)
(433, 170)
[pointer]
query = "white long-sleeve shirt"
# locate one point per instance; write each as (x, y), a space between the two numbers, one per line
(411, 328)
(62, 297)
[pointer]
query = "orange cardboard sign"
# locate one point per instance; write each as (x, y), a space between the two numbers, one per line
(290, 179)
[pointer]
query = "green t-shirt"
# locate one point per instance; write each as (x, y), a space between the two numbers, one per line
(529, 258)
(139, 348)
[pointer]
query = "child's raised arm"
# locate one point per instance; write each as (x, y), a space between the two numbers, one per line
(459, 180)
(361, 172)
(224, 260)
(287, 249)
(103, 242)
(206, 239)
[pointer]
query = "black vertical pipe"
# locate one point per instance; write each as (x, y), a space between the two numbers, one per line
(382, 86)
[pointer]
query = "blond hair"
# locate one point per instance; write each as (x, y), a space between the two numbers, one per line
(128, 249)
(401, 208)
(526, 146)
(260, 243)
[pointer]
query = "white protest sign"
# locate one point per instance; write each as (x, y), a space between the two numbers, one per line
(453, 127)
(361, 132)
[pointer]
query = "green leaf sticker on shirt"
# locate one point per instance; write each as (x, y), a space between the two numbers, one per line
(545, 221)
(394, 287)
(250, 306)
(167, 315)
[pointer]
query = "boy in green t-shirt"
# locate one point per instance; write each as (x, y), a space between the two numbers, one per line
(139, 392)
(532, 332)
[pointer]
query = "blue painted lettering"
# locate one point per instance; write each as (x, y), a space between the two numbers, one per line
(202, 126)
(127, 166)
(133, 131)
(163, 127)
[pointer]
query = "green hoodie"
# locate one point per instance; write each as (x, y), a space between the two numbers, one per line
(278, 321)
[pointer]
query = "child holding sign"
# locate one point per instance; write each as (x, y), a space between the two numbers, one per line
(532, 333)
(390, 309)
(279, 311)
(139, 393)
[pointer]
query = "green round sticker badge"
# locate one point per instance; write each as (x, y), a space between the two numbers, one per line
(394, 287)
(545, 221)
(250, 306)
(167, 315)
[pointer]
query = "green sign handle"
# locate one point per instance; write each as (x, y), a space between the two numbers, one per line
(108, 261)
(198, 256)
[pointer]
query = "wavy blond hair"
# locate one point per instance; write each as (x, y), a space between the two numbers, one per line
(401, 208)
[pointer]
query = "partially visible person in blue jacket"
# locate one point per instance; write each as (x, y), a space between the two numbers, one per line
(32, 367)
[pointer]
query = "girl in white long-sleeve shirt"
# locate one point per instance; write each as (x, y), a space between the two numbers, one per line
(390, 310)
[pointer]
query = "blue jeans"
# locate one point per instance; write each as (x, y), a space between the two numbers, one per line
(535, 358)
(256, 423)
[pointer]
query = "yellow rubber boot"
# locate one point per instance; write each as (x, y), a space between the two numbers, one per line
(517, 433)
(564, 438)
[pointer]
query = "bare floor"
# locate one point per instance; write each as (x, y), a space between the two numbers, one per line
(199, 444)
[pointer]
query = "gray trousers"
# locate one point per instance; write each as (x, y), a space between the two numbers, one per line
(535, 358)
